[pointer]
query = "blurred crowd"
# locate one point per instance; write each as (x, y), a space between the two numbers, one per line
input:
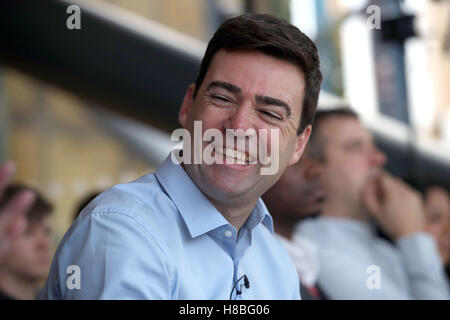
(353, 230)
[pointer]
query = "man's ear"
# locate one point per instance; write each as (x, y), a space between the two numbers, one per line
(186, 105)
(302, 140)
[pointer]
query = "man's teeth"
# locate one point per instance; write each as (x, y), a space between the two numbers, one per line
(241, 157)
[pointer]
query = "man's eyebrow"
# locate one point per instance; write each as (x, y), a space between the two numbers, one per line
(224, 85)
(355, 142)
(273, 102)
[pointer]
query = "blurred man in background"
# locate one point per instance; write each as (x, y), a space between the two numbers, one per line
(12, 212)
(355, 262)
(297, 195)
(437, 221)
(26, 263)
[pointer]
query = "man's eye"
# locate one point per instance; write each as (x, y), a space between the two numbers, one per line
(221, 98)
(271, 114)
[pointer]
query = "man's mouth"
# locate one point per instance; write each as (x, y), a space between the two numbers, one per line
(233, 155)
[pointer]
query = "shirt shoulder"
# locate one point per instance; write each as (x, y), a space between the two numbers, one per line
(143, 201)
(130, 231)
(132, 198)
(313, 229)
(332, 238)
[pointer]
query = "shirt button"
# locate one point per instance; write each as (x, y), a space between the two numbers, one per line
(228, 233)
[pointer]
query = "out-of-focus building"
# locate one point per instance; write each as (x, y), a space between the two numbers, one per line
(58, 140)
(426, 59)
(60, 146)
(436, 37)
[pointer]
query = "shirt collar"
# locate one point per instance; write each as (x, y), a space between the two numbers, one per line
(199, 214)
(260, 214)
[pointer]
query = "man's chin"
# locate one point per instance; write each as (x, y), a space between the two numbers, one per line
(225, 189)
(231, 188)
(225, 181)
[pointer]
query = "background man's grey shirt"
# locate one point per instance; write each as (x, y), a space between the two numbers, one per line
(410, 269)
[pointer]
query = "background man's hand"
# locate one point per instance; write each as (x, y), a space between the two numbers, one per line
(12, 214)
(397, 208)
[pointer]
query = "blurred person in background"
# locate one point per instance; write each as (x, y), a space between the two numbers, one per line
(26, 263)
(355, 262)
(295, 196)
(12, 211)
(437, 221)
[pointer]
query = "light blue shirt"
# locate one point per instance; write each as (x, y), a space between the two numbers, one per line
(159, 237)
(355, 263)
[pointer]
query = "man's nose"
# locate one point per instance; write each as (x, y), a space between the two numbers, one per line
(240, 118)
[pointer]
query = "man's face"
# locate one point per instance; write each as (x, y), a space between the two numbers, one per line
(29, 256)
(246, 90)
(437, 211)
(351, 158)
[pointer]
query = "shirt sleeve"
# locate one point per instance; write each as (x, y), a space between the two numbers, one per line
(424, 267)
(116, 258)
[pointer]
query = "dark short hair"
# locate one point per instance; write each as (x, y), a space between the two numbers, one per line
(275, 37)
(316, 144)
(39, 209)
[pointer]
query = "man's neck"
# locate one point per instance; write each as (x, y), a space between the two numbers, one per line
(236, 210)
(17, 287)
(236, 215)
